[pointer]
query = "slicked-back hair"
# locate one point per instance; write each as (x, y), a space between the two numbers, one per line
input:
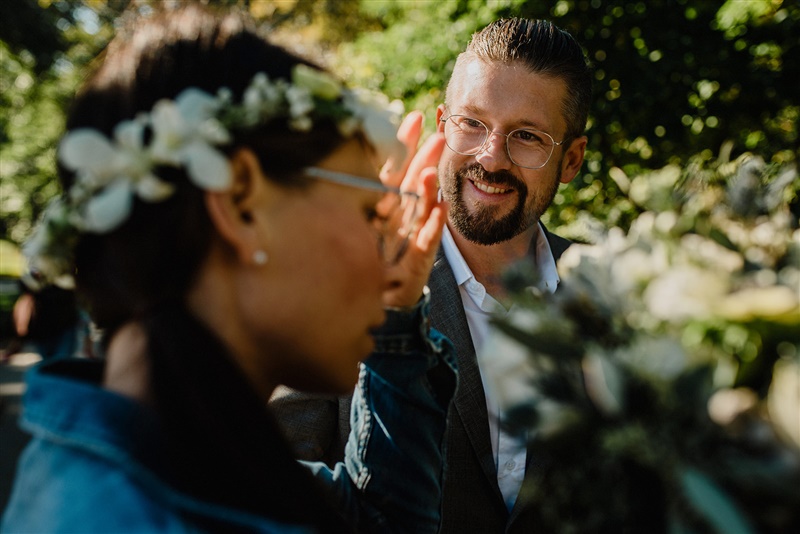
(544, 49)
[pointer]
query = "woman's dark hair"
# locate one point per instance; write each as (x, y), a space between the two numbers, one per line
(220, 443)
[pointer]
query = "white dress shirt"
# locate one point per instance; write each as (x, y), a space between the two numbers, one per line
(509, 451)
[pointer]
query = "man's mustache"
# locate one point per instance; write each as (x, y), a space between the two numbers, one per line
(476, 172)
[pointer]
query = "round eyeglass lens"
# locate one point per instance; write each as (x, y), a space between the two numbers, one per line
(529, 148)
(464, 135)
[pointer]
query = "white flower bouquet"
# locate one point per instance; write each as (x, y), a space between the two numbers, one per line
(660, 385)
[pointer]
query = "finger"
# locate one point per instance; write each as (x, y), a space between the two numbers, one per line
(423, 239)
(434, 215)
(427, 156)
(410, 130)
(430, 235)
(408, 133)
(427, 191)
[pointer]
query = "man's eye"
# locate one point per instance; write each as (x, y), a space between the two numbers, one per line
(528, 136)
(472, 123)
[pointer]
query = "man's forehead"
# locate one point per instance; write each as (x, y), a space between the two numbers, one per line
(476, 73)
(509, 92)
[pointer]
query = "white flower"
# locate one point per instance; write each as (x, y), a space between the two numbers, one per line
(784, 397)
(578, 258)
(108, 173)
(587, 274)
(262, 99)
(184, 132)
(300, 101)
(635, 267)
(151, 189)
(134, 164)
(603, 380)
(655, 189)
(771, 302)
(506, 366)
(207, 168)
(711, 254)
(657, 358)
(726, 404)
(379, 120)
(348, 126)
(301, 124)
(553, 417)
(90, 155)
(684, 292)
(107, 209)
(45, 254)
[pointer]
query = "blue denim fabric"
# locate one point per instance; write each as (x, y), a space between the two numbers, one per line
(90, 466)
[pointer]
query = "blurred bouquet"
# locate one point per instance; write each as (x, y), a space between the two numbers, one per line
(660, 385)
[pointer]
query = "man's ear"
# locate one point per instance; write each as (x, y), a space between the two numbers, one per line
(439, 113)
(573, 159)
(232, 211)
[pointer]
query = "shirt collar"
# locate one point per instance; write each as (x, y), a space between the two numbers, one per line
(544, 260)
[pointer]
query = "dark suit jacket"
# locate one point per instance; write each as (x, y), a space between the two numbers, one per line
(318, 426)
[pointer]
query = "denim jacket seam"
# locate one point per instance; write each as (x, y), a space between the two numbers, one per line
(363, 475)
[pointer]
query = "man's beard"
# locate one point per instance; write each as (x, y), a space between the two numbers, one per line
(482, 225)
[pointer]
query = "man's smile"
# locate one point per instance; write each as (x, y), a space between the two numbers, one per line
(490, 189)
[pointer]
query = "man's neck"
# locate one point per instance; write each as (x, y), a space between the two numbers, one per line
(489, 262)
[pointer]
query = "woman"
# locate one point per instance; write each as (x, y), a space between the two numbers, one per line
(226, 227)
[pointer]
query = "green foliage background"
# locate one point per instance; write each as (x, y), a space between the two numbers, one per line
(675, 80)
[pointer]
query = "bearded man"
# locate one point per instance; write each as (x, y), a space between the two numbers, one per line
(513, 120)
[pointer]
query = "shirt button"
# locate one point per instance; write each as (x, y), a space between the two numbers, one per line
(510, 465)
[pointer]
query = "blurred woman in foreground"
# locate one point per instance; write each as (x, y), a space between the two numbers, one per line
(225, 225)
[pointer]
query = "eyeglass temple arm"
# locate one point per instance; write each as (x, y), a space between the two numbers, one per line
(354, 181)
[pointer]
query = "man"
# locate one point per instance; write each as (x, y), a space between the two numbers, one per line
(513, 120)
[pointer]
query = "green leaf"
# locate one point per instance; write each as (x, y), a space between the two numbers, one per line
(713, 504)
(542, 342)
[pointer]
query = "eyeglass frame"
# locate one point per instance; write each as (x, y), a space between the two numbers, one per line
(359, 182)
(489, 134)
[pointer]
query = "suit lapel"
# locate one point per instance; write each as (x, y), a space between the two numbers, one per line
(557, 243)
(448, 316)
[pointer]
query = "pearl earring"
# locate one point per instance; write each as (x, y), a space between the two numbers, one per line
(260, 257)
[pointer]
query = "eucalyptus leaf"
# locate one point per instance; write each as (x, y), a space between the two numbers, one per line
(713, 504)
(548, 342)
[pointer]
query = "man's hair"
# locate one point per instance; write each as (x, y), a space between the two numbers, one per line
(545, 49)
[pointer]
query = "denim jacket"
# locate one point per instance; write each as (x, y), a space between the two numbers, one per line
(90, 466)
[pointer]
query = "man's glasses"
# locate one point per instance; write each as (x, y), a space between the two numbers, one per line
(530, 149)
(396, 215)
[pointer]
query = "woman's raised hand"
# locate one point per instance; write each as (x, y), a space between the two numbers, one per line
(416, 173)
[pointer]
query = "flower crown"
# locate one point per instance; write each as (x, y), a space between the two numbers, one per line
(184, 133)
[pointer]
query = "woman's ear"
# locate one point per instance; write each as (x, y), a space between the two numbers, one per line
(232, 211)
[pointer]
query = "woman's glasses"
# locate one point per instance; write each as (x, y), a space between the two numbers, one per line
(396, 213)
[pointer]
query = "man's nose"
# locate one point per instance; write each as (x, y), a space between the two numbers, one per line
(493, 156)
